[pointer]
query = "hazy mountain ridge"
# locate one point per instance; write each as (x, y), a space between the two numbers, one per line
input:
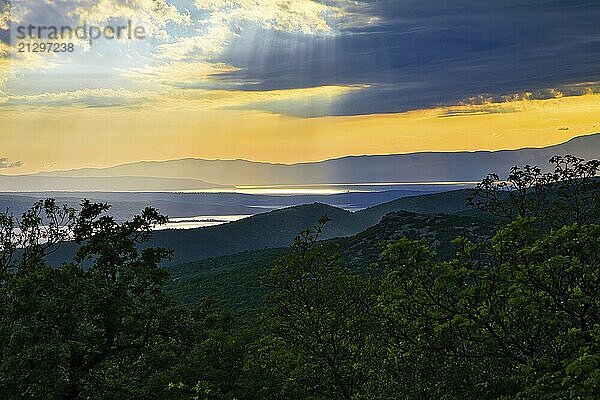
(126, 204)
(278, 228)
(413, 167)
(30, 183)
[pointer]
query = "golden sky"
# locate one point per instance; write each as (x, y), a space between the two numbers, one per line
(291, 81)
(49, 138)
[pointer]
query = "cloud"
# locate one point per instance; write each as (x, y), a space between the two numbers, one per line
(4, 14)
(354, 15)
(297, 16)
(412, 54)
(576, 89)
(168, 96)
(12, 63)
(275, 101)
(223, 21)
(178, 73)
(153, 15)
(5, 163)
(426, 53)
(209, 44)
(188, 50)
(103, 97)
(519, 102)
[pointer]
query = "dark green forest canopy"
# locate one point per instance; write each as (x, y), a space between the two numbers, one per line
(499, 302)
(234, 281)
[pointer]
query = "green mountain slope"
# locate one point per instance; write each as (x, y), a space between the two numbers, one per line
(269, 230)
(439, 229)
(446, 202)
(234, 279)
(278, 228)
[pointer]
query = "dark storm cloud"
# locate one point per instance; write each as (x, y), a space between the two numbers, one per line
(430, 52)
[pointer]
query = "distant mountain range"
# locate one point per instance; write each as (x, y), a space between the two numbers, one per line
(125, 205)
(51, 182)
(199, 174)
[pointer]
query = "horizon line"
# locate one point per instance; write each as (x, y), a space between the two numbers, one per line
(191, 158)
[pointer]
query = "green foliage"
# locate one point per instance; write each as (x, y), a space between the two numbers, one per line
(65, 328)
(416, 307)
(321, 329)
(571, 193)
(100, 327)
(515, 318)
(234, 281)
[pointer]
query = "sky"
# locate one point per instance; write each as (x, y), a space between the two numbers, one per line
(294, 80)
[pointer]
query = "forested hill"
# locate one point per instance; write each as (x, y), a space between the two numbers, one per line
(235, 279)
(274, 229)
(278, 228)
(456, 305)
(448, 202)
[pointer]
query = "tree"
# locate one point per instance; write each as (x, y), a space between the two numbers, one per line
(571, 193)
(514, 317)
(517, 317)
(212, 366)
(319, 340)
(78, 331)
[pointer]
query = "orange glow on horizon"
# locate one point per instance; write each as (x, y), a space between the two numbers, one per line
(53, 138)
